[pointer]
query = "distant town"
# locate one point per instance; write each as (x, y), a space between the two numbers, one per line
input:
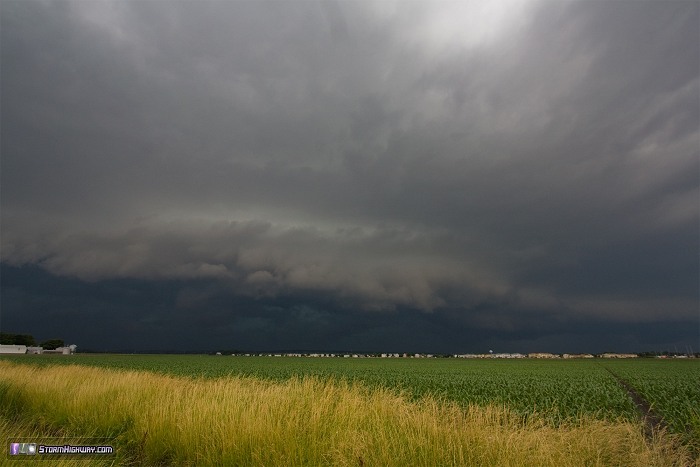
(532, 355)
(11, 349)
(26, 344)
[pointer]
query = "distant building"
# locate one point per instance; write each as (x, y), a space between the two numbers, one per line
(619, 355)
(69, 350)
(507, 355)
(542, 355)
(577, 355)
(12, 349)
(35, 350)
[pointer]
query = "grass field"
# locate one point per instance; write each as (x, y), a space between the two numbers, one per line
(306, 411)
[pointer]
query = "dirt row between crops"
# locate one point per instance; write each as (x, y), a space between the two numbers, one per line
(652, 421)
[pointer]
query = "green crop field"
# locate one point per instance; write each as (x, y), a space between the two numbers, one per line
(556, 388)
(556, 392)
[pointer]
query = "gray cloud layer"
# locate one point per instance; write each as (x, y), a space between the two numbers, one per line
(540, 157)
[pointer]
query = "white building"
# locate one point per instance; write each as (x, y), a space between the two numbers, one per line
(542, 355)
(577, 355)
(619, 355)
(12, 349)
(65, 350)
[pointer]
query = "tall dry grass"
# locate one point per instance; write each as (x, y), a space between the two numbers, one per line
(164, 420)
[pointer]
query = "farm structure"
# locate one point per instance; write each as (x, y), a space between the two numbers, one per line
(12, 349)
(23, 349)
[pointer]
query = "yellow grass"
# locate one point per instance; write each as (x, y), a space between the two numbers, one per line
(164, 420)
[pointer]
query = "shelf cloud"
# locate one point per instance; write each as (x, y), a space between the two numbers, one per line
(437, 175)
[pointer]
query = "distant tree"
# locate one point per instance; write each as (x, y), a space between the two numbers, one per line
(52, 344)
(17, 339)
(7, 339)
(25, 339)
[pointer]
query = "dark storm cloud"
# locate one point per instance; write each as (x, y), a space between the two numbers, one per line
(494, 164)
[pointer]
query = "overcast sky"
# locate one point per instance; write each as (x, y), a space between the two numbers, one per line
(354, 175)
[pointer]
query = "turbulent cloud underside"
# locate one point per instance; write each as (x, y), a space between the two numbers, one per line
(492, 163)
